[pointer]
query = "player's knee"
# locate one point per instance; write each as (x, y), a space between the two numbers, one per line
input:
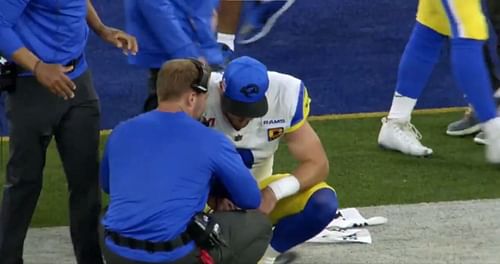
(324, 203)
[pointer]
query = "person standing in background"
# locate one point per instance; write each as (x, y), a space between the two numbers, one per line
(463, 23)
(248, 21)
(53, 96)
(171, 29)
(469, 124)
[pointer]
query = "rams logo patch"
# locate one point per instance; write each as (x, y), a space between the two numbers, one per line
(274, 133)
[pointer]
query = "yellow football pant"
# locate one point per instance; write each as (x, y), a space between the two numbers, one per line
(454, 18)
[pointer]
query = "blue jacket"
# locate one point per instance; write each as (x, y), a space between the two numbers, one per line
(172, 29)
(54, 30)
(158, 169)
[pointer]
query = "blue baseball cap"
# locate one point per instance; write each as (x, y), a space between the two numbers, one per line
(246, 82)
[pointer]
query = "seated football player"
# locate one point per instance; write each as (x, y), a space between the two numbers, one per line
(256, 108)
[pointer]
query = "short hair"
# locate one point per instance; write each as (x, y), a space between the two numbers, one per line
(175, 78)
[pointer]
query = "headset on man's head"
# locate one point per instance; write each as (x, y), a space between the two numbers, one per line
(200, 84)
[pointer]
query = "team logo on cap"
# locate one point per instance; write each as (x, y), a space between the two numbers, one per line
(250, 90)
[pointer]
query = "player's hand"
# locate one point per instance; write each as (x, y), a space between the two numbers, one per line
(53, 76)
(224, 204)
(268, 201)
(221, 204)
(120, 39)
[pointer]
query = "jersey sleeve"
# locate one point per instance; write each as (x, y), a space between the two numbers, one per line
(235, 176)
(10, 11)
(301, 110)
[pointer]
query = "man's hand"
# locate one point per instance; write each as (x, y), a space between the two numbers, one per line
(268, 201)
(221, 204)
(120, 39)
(53, 76)
(224, 204)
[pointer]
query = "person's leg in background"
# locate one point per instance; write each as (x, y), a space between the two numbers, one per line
(77, 138)
(228, 21)
(493, 58)
(469, 124)
(422, 52)
(469, 33)
(31, 111)
(248, 21)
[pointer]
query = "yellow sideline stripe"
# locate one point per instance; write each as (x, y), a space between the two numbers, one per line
(381, 114)
(347, 116)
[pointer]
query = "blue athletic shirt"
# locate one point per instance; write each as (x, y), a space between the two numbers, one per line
(54, 30)
(172, 29)
(158, 169)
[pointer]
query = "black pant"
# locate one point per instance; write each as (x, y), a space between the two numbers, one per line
(247, 235)
(492, 50)
(152, 101)
(35, 115)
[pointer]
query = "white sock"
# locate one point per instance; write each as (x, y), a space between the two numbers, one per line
(269, 256)
(402, 107)
(492, 127)
(227, 39)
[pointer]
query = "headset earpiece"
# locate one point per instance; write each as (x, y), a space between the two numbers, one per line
(201, 82)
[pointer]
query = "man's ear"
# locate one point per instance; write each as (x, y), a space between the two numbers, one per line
(190, 99)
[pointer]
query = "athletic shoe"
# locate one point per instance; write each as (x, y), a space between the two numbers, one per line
(403, 137)
(480, 138)
(468, 125)
(492, 131)
(259, 18)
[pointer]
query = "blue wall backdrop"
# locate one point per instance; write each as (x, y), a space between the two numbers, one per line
(347, 53)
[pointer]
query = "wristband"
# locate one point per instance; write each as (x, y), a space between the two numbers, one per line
(285, 187)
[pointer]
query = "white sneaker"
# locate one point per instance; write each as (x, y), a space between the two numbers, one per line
(492, 131)
(403, 137)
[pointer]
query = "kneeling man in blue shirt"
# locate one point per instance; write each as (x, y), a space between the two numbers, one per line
(158, 169)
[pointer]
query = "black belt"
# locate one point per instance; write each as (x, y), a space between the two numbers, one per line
(179, 241)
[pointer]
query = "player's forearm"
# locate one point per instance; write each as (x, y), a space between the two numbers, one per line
(311, 172)
(25, 58)
(93, 19)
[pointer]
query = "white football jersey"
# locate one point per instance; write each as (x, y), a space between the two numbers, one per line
(258, 141)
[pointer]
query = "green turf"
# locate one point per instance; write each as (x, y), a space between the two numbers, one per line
(361, 172)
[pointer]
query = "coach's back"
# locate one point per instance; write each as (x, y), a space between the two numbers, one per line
(158, 169)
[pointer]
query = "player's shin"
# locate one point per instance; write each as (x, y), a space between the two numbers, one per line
(471, 74)
(415, 68)
(296, 229)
